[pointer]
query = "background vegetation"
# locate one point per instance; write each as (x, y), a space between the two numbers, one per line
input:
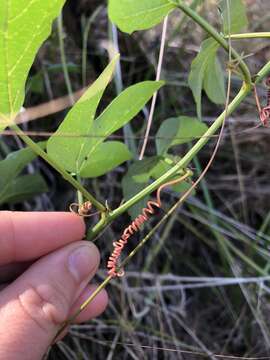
(200, 286)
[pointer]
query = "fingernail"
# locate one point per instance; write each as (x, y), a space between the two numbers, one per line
(83, 261)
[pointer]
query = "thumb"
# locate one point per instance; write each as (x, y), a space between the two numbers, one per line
(33, 307)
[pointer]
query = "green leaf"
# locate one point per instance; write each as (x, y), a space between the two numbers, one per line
(121, 110)
(106, 157)
(130, 188)
(136, 179)
(206, 73)
(132, 15)
(234, 20)
(164, 164)
(23, 188)
(178, 130)
(12, 166)
(213, 82)
(24, 25)
(141, 170)
(139, 175)
(70, 152)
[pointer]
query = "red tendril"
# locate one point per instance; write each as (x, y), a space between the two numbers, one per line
(82, 210)
(135, 227)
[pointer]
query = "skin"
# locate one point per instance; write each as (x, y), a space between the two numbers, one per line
(45, 270)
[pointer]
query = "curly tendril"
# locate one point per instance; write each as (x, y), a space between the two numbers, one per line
(134, 227)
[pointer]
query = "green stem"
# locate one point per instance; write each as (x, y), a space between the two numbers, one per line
(122, 265)
(86, 30)
(182, 164)
(138, 247)
(244, 91)
(256, 35)
(218, 37)
(189, 155)
(63, 57)
(57, 167)
(242, 94)
(262, 73)
(79, 194)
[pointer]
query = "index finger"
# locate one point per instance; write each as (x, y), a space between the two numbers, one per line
(28, 235)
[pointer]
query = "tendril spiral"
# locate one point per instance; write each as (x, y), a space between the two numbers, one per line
(82, 210)
(147, 212)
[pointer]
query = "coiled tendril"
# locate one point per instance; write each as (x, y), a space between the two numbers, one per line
(134, 227)
(83, 209)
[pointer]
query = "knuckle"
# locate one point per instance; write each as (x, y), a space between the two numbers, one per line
(45, 304)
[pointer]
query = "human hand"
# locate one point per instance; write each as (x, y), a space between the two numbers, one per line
(51, 268)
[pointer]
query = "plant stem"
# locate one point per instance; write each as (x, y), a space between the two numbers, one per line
(218, 37)
(63, 57)
(86, 30)
(255, 35)
(190, 154)
(123, 263)
(57, 167)
(262, 73)
(244, 91)
(242, 94)
(105, 220)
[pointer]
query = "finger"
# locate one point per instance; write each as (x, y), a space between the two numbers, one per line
(34, 306)
(28, 235)
(94, 309)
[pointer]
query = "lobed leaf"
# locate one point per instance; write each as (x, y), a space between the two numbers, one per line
(124, 107)
(24, 25)
(70, 151)
(121, 110)
(132, 15)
